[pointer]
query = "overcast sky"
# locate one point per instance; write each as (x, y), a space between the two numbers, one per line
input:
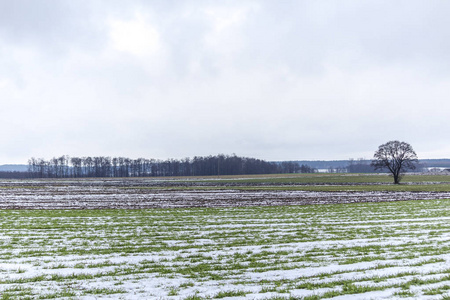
(276, 80)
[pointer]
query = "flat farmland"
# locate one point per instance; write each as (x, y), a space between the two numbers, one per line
(212, 238)
(225, 191)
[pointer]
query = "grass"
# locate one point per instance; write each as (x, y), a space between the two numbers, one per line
(287, 252)
(223, 244)
(317, 188)
(322, 178)
(223, 294)
(311, 182)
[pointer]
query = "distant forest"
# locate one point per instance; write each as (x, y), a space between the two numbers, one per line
(101, 166)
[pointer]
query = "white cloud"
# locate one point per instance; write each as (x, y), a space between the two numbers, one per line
(291, 80)
(224, 37)
(136, 36)
(225, 17)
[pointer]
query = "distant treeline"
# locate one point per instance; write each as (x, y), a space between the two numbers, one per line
(14, 174)
(101, 166)
(360, 165)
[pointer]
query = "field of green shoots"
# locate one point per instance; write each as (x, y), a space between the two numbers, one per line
(392, 250)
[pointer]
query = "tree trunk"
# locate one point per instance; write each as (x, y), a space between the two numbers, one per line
(396, 179)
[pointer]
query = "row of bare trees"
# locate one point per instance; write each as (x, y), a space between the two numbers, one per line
(101, 166)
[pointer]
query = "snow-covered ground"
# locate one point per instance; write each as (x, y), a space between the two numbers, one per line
(354, 251)
(148, 193)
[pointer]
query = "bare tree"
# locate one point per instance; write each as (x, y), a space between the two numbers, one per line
(76, 164)
(395, 156)
(101, 166)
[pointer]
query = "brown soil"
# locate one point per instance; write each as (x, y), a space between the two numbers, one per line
(126, 194)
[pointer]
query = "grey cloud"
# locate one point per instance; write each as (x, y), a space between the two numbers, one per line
(53, 27)
(303, 35)
(290, 80)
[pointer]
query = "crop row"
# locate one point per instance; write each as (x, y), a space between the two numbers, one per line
(374, 250)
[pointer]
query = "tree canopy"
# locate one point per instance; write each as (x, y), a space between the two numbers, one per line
(103, 166)
(395, 156)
